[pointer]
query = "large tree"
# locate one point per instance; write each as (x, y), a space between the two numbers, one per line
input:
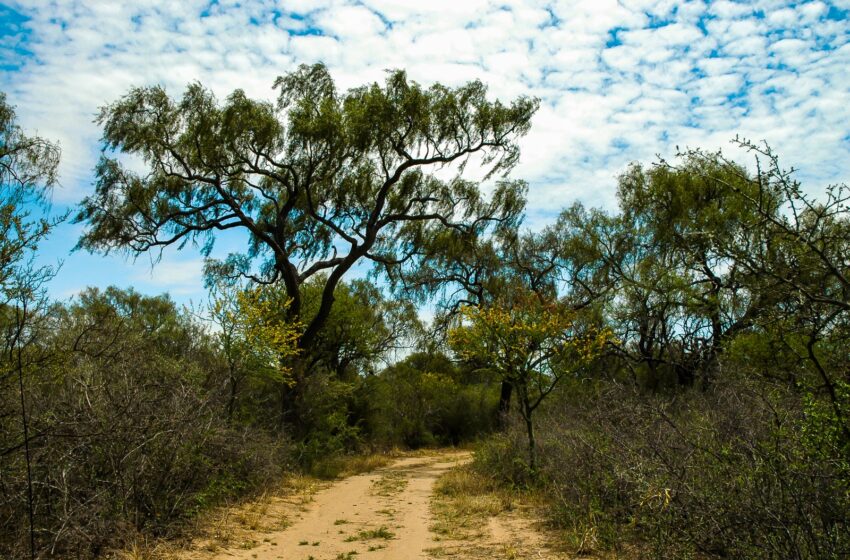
(681, 293)
(795, 254)
(320, 181)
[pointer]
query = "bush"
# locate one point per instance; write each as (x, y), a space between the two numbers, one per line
(722, 473)
(425, 401)
(128, 437)
(327, 427)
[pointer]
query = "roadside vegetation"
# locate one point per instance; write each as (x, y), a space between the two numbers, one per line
(714, 423)
(667, 379)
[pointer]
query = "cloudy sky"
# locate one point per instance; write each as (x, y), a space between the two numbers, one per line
(619, 81)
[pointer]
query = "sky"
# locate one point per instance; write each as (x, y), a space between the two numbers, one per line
(618, 81)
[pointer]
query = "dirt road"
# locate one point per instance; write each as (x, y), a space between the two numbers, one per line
(385, 514)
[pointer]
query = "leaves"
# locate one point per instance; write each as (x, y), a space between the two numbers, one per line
(527, 338)
(28, 167)
(254, 327)
(320, 182)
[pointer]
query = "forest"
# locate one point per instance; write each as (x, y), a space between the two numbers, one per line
(671, 377)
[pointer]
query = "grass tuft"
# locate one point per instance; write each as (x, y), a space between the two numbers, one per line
(463, 500)
(349, 465)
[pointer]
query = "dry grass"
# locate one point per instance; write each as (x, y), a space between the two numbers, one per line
(143, 550)
(463, 501)
(232, 526)
(349, 465)
(475, 518)
(390, 483)
(236, 525)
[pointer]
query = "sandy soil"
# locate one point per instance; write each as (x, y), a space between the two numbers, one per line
(385, 514)
(514, 535)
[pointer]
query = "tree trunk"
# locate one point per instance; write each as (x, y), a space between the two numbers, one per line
(685, 375)
(231, 403)
(527, 410)
(532, 444)
(504, 405)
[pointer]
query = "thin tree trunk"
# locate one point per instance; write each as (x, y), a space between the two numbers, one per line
(532, 444)
(504, 404)
(527, 411)
(231, 403)
(20, 367)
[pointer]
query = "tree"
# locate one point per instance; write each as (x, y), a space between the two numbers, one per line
(484, 266)
(533, 342)
(680, 294)
(425, 399)
(28, 167)
(460, 268)
(320, 181)
(795, 252)
(253, 334)
(687, 215)
(363, 329)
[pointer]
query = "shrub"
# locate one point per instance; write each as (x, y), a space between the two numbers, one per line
(726, 473)
(129, 439)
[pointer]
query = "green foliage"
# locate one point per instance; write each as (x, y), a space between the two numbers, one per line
(128, 429)
(320, 182)
(364, 327)
(734, 279)
(533, 343)
(823, 431)
(264, 332)
(27, 173)
(28, 167)
(425, 400)
(500, 456)
(702, 475)
(329, 428)
(333, 404)
(256, 339)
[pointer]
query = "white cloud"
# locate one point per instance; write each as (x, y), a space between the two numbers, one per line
(178, 277)
(730, 10)
(350, 22)
(618, 80)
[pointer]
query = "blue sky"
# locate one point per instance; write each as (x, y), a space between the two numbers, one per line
(619, 82)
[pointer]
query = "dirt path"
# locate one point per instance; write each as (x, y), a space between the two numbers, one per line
(385, 514)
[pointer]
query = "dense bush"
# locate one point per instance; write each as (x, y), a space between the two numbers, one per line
(328, 419)
(425, 400)
(728, 472)
(128, 429)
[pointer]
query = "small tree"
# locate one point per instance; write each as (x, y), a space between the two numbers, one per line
(533, 343)
(254, 335)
